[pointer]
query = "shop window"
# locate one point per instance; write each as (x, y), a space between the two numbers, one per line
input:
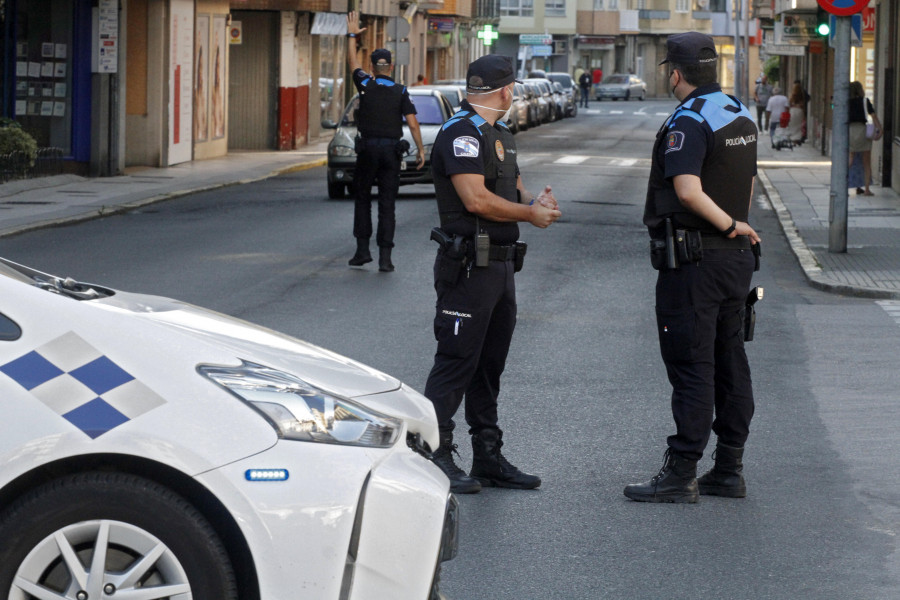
(43, 47)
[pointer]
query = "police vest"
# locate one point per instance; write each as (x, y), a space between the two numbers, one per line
(380, 106)
(728, 167)
(498, 153)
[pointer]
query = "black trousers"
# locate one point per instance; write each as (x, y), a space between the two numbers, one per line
(376, 164)
(585, 95)
(699, 314)
(473, 326)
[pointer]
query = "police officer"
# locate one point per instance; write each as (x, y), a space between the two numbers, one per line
(480, 199)
(382, 106)
(701, 184)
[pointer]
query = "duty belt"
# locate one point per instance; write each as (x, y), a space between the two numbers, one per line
(502, 252)
(715, 241)
(379, 141)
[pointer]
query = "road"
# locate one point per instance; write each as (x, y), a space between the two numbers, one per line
(585, 399)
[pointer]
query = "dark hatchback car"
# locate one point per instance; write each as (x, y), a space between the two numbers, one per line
(432, 109)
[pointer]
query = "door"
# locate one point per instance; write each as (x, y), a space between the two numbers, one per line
(253, 82)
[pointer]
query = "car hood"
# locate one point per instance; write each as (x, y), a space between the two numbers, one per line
(345, 135)
(317, 366)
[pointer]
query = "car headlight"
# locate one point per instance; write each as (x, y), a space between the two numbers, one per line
(342, 151)
(302, 412)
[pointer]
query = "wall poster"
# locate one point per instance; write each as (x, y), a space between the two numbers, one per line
(181, 77)
(219, 59)
(201, 79)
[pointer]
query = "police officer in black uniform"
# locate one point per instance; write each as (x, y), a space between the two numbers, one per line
(698, 200)
(480, 199)
(382, 106)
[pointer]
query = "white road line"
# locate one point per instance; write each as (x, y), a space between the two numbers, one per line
(624, 162)
(571, 160)
(617, 112)
(892, 308)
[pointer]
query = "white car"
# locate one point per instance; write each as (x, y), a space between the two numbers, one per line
(152, 449)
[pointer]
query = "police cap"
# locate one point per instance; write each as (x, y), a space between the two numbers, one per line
(490, 72)
(684, 48)
(381, 57)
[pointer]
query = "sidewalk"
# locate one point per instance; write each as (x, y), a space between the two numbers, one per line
(797, 183)
(36, 203)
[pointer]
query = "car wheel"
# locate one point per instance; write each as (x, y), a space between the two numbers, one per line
(643, 93)
(146, 535)
(627, 96)
(335, 190)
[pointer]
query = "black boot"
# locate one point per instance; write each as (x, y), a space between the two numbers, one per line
(726, 477)
(460, 483)
(362, 255)
(491, 468)
(384, 260)
(675, 482)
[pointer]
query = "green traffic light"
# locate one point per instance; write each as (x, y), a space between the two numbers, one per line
(823, 29)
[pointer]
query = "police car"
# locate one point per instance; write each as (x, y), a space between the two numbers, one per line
(153, 449)
(432, 109)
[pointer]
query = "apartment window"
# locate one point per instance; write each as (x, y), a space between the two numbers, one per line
(682, 6)
(516, 8)
(598, 4)
(613, 5)
(641, 4)
(555, 8)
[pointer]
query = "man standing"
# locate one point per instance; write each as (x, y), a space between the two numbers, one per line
(761, 96)
(584, 82)
(481, 199)
(778, 103)
(701, 184)
(382, 106)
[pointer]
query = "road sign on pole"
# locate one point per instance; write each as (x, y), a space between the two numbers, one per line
(843, 8)
(840, 138)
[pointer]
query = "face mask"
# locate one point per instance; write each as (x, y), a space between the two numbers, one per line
(505, 116)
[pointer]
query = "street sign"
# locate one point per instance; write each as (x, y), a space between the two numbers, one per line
(397, 28)
(856, 27)
(535, 39)
(542, 50)
(843, 8)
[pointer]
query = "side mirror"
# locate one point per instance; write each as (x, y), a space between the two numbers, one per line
(328, 124)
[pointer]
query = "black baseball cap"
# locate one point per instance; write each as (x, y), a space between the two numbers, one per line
(684, 48)
(490, 72)
(381, 57)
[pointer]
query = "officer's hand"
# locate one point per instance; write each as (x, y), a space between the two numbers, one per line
(542, 216)
(741, 228)
(353, 23)
(546, 198)
(420, 159)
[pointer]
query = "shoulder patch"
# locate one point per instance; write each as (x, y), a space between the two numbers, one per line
(674, 141)
(465, 146)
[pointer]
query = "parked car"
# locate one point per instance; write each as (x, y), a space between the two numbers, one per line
(569, 89)
(620, 85)
(432, 110)
(532, 96)
(545, 98)
(452, 92)
(154, 449)
(519, 113)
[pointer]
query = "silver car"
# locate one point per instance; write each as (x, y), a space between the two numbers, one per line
(432, 109)
(621, 85)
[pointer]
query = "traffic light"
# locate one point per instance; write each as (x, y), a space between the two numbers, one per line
(823, 23)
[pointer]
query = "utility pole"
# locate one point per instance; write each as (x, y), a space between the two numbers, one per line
(840, 138)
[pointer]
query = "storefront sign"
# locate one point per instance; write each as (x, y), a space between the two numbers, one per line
(795, 28)
(535, 39)
(785, 49)
(440, 24)
(541, 50)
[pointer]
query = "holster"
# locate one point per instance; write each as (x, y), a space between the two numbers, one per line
(521, 249)
(357, 143)
(402, 148)
(452, 255)
(688, 245)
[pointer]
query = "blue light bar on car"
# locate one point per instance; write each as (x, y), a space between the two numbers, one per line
(267, 474)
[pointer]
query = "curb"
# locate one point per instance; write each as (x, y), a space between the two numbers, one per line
(106, 211)
(807, 258)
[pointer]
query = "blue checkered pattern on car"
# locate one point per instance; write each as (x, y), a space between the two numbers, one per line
(82, 385)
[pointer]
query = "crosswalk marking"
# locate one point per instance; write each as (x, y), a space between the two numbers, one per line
(624, 162)
(892, 308)
(571, 160)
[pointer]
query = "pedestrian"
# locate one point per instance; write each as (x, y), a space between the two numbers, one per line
(778, 103)
(860, 142)
(382, 106)
(420, 80)
(701, 184)
(481, 199)
(761, 96)
(584, 82)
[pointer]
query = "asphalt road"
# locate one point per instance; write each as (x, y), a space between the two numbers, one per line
(585, 401)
